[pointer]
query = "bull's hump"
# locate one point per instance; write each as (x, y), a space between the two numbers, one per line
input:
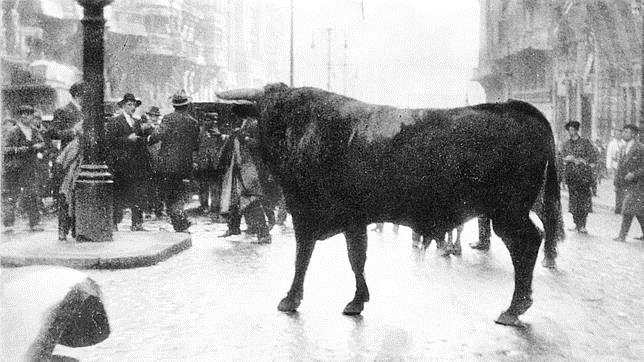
(373, 122)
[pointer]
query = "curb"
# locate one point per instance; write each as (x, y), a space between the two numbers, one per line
(128, 250)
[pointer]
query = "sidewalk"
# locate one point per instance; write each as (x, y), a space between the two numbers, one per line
(20, 247)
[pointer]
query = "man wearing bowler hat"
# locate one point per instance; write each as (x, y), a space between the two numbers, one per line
(179, 137)
(579, 155)
(129, 161)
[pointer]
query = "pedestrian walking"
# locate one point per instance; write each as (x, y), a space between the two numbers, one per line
(613, 151)
(178, 135)
(21, 144)
(129, 161)
(630, 177)
(578, 155)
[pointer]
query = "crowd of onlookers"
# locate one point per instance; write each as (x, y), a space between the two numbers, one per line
(583, 165)
(153, 160)
(151, 157)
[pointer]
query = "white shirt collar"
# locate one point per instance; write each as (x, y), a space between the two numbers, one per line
(129, 119)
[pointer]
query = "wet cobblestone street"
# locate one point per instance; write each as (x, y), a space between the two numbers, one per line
(217, 301)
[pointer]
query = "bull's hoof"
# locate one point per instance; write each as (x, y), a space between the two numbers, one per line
(353, 308)
(510, 320)
(288, 305)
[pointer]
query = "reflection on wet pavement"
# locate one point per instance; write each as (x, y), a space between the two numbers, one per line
(218, 301)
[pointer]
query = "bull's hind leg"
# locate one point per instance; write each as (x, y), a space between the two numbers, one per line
(357, 249)
(522, 238)
(303, 250)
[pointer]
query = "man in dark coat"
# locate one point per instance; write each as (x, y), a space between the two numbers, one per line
(67, 117)
(579, 155)
(207, 160)
(179, 137)
(630, 177)
(154, 203)
(66, 120)
(129, 160)
(20, 146)
(248, 188)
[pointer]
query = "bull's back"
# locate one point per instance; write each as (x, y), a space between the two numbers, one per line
(346, 159)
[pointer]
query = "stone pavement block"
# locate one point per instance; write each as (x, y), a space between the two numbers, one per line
(127, 250)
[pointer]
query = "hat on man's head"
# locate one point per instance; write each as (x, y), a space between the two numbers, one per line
(77, 89)
(154, 111)
(129, 97)
(25, 109)
(632, 127)
(573, 124)
(180, 99)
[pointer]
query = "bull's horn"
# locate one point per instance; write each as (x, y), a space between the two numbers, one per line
(250, 94)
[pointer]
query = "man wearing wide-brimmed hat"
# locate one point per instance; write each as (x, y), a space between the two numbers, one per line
(128, 157)
(179, 137)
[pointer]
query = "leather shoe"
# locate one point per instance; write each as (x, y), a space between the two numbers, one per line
(549, 263)
(36, 228)
(480, 245)
(137, 228)
(264, 240)
(619, 238)
(640, 238)
(583, 230)
(230, 233)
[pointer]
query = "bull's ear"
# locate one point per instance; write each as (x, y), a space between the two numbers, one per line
(251, 94)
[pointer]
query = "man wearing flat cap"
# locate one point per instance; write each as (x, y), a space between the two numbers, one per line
(129, 161)
(630, 177)
(20, 146)
(579, 155)
(179, 137)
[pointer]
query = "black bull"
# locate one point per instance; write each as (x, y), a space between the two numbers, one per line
(344, 164)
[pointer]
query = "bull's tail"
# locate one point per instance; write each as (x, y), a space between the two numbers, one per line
(553, 223)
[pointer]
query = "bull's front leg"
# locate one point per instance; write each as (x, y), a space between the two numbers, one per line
(356, 236)
(303, 249)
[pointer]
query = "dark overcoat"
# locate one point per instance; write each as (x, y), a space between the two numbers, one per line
(128, 161)
(579, 177)
(20, 160)
(63, 123)
(179, 137)
(632, 162)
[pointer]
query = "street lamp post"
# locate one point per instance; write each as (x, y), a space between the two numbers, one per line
(637, 7)
(94, 185)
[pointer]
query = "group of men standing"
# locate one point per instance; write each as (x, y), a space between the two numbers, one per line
(149, 160)
(579, 155)
(127, 140)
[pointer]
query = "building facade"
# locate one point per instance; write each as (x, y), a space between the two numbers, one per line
(152, 48)
(574, 60)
